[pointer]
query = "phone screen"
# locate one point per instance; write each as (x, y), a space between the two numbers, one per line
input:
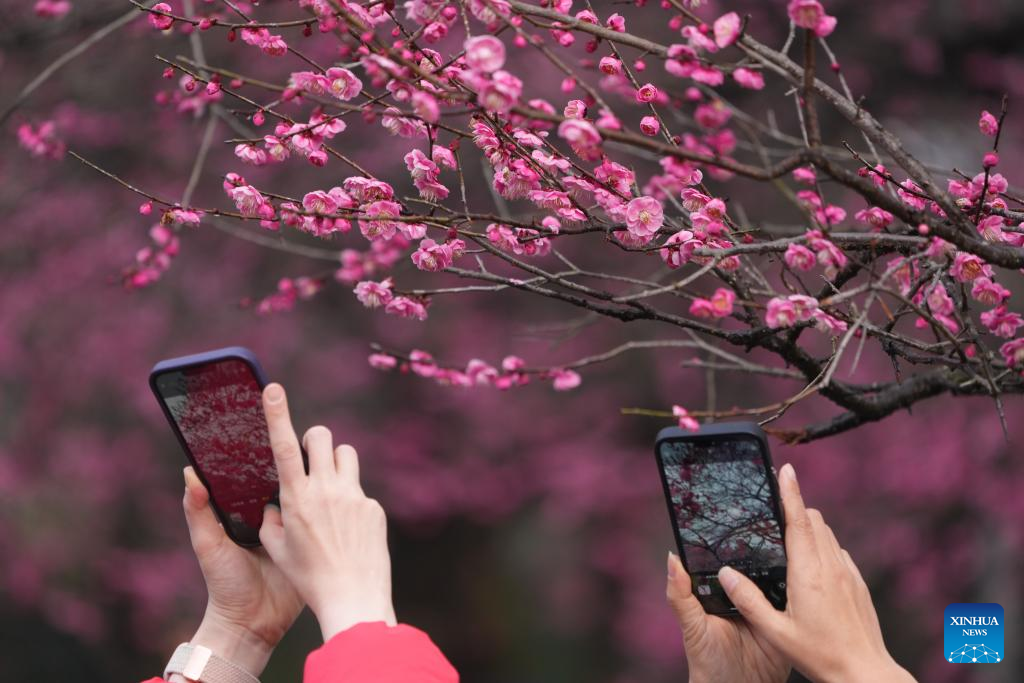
(725, 512)
(218, 410)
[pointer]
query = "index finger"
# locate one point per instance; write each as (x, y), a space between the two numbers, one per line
(283, 442)
(800, 543)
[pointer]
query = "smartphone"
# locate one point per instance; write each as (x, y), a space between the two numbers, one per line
(213, 402)
(723, 499)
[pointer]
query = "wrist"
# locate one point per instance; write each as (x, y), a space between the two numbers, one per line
(233, 642)
(337, 616)
(886, 670)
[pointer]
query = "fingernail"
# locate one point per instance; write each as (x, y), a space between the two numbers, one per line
(275, 394)
(788, 472)
(671, 565)
(728, 577)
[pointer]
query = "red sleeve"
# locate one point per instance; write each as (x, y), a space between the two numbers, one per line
(378, 653)
(155, 680)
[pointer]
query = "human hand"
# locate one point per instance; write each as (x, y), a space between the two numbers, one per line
(720, 648)
(829, 630)
(328, 537)
(251, 605)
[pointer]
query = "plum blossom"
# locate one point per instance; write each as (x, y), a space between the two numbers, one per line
(810, 14)
(1001, 322)
(41, 141)
(376, 224)
(180, 216)
(270, 44)
(402, 126)
(1013, 353)
(342, 83)
(967, 267)
(319, 202)
(644, 216)
(249, 200)
(610, 66)
(406, 307)
(799, 257)
(431, 256)
(988, 124)
(940, 305)
(382, 361)
(565, 379)
(727, 29)
(52, 9)
(500, 93)
(582, 136)
(684, 420)
(988, 292)
(649, 125)
(160, 22)
(678, 248)
(485, 53)
(374, 294)
(787, 311)
(876, 217)
(823, 322)
(720, 305)
(749, 78)
(646, 93)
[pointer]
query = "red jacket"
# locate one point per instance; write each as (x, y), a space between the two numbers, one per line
(377, 653)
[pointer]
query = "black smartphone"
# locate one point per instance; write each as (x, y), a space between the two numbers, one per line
(213, 402)
(723, 499)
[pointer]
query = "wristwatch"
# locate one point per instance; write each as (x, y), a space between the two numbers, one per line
(198, 663)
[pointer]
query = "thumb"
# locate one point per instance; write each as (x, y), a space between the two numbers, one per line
(752, 603)
(203, 528)
(684, 603)
(272, 533)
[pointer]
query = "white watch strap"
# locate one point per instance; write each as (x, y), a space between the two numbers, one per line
(198, 663)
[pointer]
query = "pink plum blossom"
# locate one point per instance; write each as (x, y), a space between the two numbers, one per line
(565, 379)
(967, 267)
(684, 420)
(749, 78)
(1013, 353)
(727, 29)
(52, 9)
(248, 199)
(376, 224)
(1001, 322)
(649, 125)
(810, 14)
(431, 256)
(582, 136)
(406, 307)
(610, 66)
(342, 83)
(804, 175)
(646, 93)
(161, 22)
(382, 361)
(988, 124)
(485, 53)
(799, 257)
(374, 294)
(644, 216)
(988, 292)
(720, 305)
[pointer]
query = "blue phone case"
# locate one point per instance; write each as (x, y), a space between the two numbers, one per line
(205, 358)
